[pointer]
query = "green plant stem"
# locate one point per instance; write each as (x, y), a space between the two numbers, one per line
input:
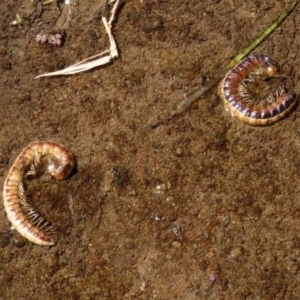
(264, 35)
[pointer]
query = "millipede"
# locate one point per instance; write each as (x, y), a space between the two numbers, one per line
(239, 99)
(52, 158)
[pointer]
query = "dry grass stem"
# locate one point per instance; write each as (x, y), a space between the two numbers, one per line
(95, 60)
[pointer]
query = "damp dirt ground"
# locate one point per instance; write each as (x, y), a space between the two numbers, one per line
(201, 206)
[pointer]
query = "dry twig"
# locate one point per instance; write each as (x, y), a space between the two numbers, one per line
(95, 60)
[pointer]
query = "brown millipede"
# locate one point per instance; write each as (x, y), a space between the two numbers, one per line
(233, 90)
(58, 162)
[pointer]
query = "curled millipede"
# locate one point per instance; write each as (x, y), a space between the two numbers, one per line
(239, 99)
(59, 163)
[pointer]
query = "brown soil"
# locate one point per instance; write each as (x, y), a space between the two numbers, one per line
(202, 206)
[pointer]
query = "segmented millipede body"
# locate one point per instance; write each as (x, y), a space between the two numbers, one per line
(52, 158)
(233, 90)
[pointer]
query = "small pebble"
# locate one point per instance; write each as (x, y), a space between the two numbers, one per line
(178, 151)
(236, 252)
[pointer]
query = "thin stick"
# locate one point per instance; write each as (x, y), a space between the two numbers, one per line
(194, 95)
